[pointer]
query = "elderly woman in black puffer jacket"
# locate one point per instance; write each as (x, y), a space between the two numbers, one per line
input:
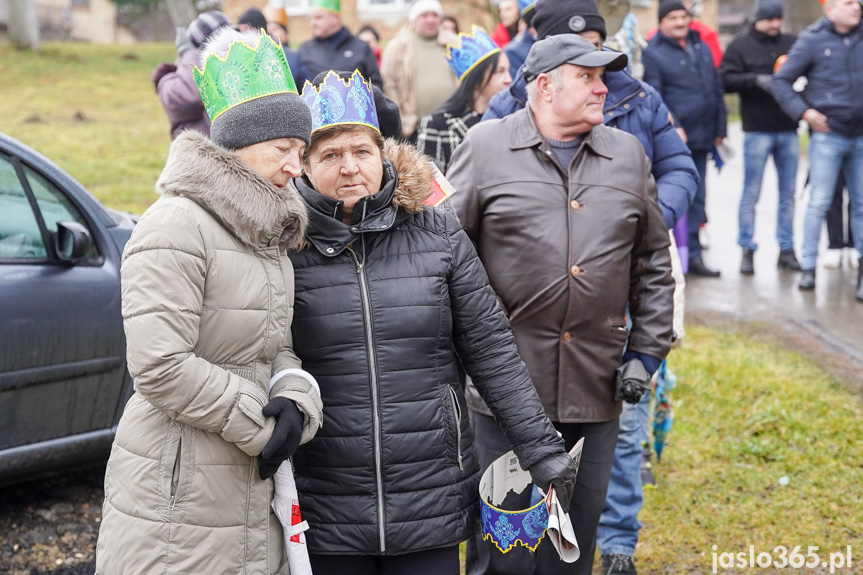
(390, 298)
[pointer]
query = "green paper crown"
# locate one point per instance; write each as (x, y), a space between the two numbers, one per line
(245, 73)
(331, 5)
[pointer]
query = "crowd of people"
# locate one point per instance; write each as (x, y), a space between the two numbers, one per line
(299, 292)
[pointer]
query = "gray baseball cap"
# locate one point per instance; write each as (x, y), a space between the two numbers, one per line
(549, 53)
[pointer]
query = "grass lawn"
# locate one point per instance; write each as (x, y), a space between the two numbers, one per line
(93, 110)
(747, 413)
(750, 416)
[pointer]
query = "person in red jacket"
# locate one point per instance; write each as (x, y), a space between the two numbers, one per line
(508, 27)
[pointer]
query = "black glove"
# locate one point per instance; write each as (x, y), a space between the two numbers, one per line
(558, 470)
(286, 435)
(764, 81)
(631, 381)
(161, 71)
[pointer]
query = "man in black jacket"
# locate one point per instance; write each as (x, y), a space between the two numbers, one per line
(679, 64)
(333, 47)
(747, 68)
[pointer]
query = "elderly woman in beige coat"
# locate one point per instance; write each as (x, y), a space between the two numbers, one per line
(208, 295)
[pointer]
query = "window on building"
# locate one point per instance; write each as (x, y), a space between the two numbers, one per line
(80, 4)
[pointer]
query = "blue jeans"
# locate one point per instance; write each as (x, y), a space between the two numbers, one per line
(618, 528)
(757, 147)
(828, 154)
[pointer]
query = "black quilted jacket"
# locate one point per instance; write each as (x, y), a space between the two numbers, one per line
(385, 309)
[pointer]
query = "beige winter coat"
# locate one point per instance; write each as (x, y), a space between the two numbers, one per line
(397, 70)
(208, 295)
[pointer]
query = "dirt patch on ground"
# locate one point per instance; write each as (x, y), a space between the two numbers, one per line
(51, 525)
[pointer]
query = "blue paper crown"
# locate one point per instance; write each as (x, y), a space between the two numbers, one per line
(507, 528)
(525, 6)
(337, 101)
(471, 49)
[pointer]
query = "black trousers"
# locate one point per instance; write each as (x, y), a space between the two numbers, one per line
(838, 227)
(442, 561)
(588, 501)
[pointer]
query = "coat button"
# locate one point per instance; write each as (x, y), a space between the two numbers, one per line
(574, 204)
(626, 106)
(274, 242)
(575, 271)
(566, 336)
(330, 250)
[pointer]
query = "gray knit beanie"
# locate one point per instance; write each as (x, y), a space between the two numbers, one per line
(280, 114)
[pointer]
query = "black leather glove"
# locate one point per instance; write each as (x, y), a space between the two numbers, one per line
(764, 81)
(286, 435)
(161, 71)
(558, 470)
(631, 381)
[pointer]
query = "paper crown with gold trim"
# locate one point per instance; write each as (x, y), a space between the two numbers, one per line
(337, 101)
(244, 74)
(334, 6)
(525, 6)
(469, 51)
(506, 528)
(249, 93)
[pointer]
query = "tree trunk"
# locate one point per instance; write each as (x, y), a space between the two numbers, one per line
(182, 12)
(23, 25)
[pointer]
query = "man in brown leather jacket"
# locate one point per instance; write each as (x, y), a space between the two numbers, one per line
(564, 215)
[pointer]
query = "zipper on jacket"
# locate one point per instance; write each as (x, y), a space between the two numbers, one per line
(456, 410)
(373, 380)
(175, 475)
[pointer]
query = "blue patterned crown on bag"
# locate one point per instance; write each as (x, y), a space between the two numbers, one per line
(337, 101)
(508, 528)
(471, 49)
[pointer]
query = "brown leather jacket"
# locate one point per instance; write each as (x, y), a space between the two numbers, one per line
(565, 250)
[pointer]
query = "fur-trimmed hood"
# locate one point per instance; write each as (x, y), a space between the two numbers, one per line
(246, 203)
(415, 172)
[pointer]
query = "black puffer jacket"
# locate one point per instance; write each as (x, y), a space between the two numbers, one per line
(382, 309)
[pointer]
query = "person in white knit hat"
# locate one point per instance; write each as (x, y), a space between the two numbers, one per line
(419, 45)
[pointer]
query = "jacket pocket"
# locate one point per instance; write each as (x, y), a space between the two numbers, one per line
(619, 327)
(456, 412)
(170, 470)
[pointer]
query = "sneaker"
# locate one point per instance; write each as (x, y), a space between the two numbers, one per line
(853, 257)
(618, 565)
(832, 259)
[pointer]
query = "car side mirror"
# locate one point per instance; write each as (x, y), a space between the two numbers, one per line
(73, 240)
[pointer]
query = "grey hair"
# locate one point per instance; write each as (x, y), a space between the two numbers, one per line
(221, 41)
(556, 76)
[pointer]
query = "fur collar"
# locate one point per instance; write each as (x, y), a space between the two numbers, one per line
(415, 173)
(246, 203)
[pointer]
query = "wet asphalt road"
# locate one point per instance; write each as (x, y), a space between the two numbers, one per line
(830, 313)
